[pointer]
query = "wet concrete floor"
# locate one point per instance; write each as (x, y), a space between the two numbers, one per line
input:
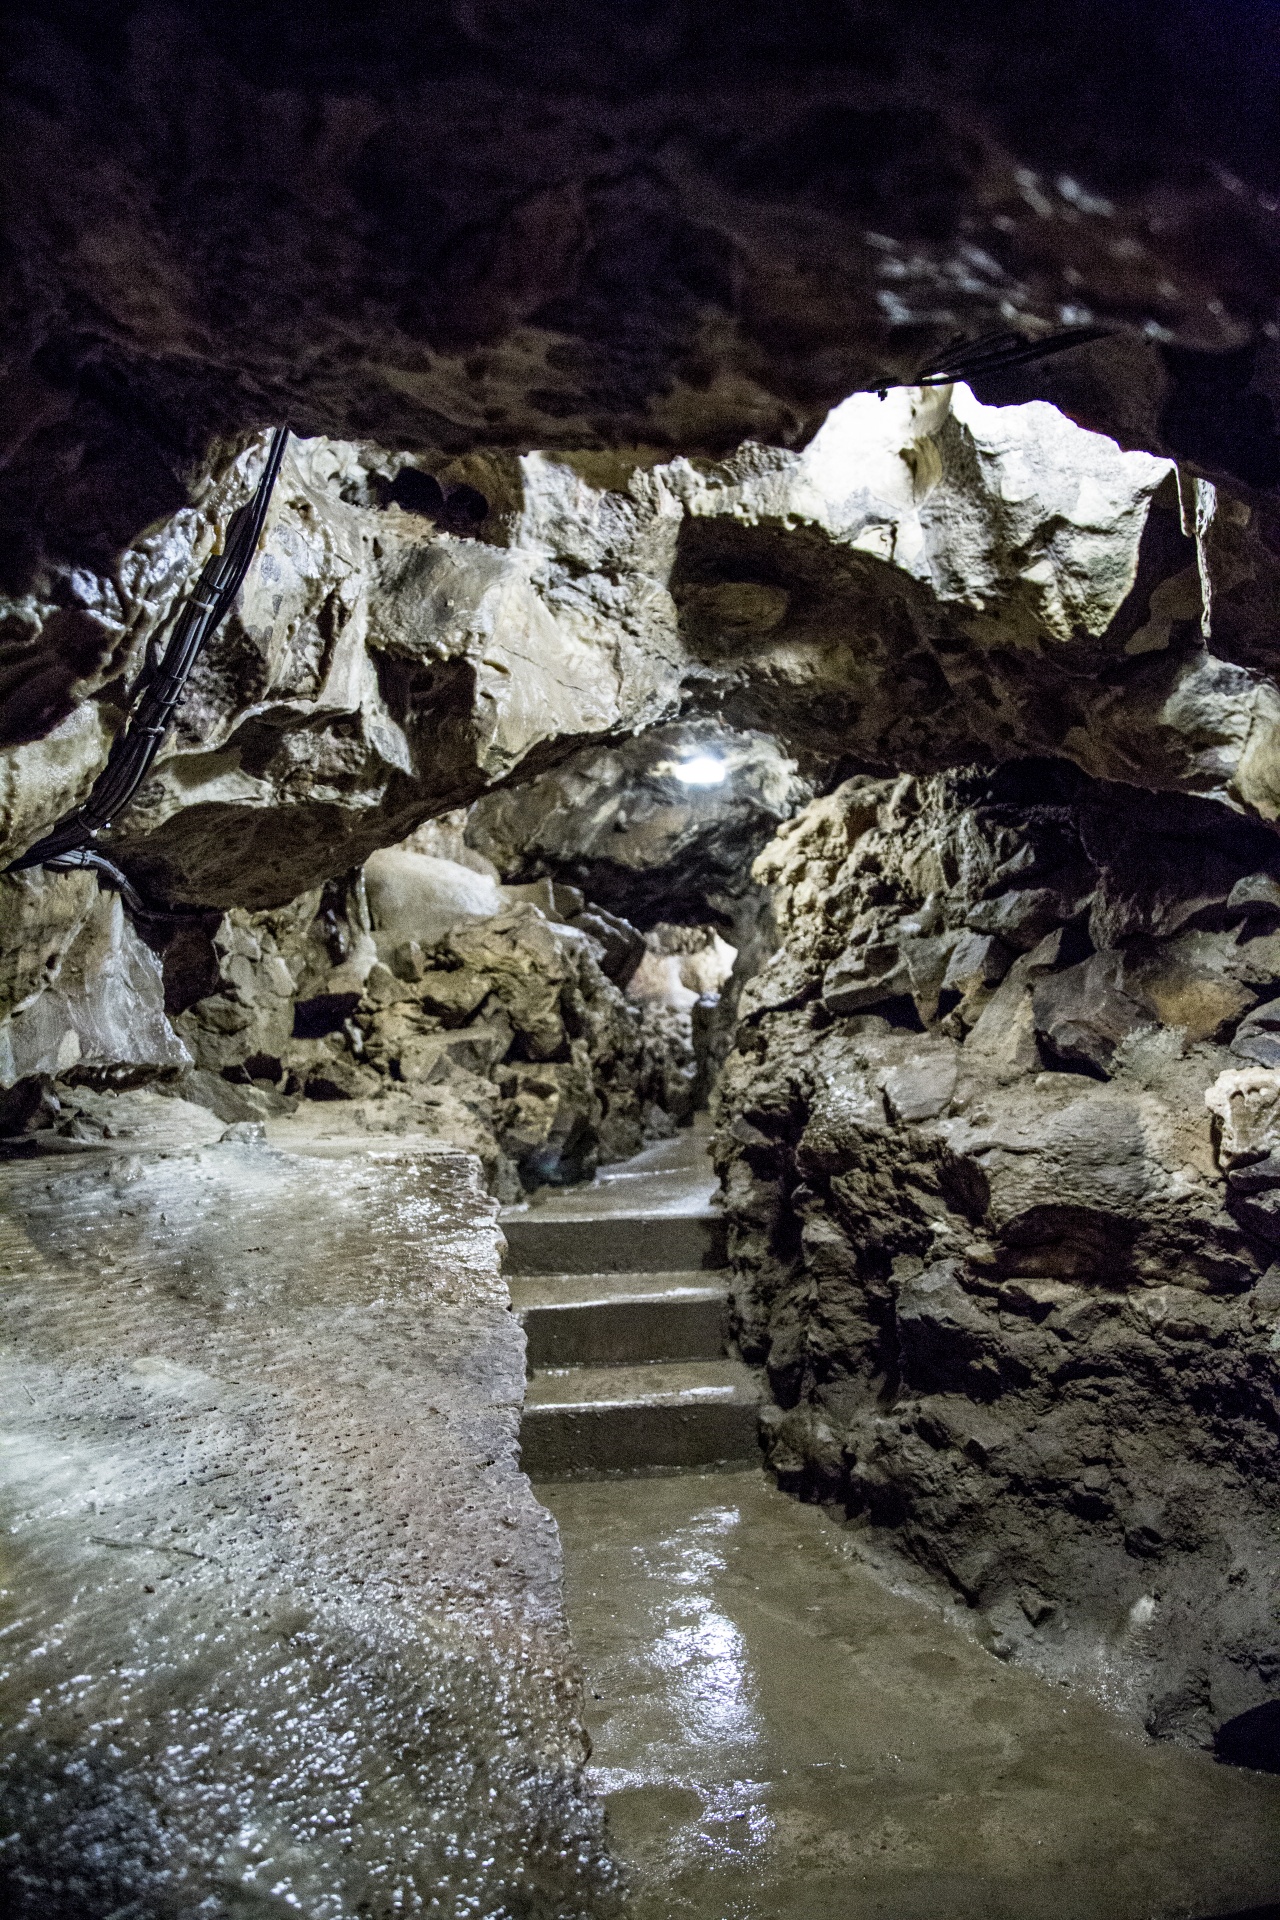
(778, 1734)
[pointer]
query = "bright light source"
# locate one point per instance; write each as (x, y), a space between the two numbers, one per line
(701, 771)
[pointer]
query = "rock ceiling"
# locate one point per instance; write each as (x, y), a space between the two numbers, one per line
(438, 226)
(929, 583)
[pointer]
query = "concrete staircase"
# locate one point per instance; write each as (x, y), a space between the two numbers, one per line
(624, 1301)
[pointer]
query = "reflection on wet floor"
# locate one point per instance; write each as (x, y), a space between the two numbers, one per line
(778, 1735)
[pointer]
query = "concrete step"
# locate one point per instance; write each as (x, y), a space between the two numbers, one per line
(605, 1319)
(538, 1242)
(588, 1420)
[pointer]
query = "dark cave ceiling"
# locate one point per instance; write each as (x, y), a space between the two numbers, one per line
(439, 226)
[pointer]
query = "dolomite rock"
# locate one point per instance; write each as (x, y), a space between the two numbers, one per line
(1019, 1318)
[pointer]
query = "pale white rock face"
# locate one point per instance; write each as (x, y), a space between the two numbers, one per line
(1013, 512)
(660, 981)
(86, 991)
(416, 896)
(929, 581)
(1246, 1105)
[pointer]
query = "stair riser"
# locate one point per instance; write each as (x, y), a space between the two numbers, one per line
(616, 1332)
(671, 1243)
(559, 1443)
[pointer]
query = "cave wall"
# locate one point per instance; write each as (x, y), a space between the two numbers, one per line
(998, 1145)
(416, 996)
(377, 669)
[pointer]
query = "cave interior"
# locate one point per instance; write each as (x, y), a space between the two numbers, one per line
(766, 633)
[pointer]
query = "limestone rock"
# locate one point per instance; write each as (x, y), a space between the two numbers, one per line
(929, 582)
(780, 217)
(621, 946)
(413, 896)
(497, 1031)
(623, 823)
(83, 992)
(1257, 1037)
(375, 670)
(1083, 1013)
(247, 1022)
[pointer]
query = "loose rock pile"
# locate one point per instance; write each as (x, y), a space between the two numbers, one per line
(422, 996)
(1000, 1152)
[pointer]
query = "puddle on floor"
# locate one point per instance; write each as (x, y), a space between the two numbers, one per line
(778, 1736)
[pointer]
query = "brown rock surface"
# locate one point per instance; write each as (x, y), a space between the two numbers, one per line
(520, 226)
(1018, 1318)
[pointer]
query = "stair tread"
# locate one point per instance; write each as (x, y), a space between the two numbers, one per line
(697, 1208)
(615, 1242)
(654, 1383)
(564, 1291)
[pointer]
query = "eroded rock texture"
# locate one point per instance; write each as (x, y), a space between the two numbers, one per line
(929, 582)
(377, 670)
(997, 1139)
(420, 998)
(625, 824)
(284, 1618)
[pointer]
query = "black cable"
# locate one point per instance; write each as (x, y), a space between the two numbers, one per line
(134, 749)
(991, 353)
(79, 857)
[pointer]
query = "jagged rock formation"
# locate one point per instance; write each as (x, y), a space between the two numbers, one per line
(1000, 1171)
(421, 996)
(78, 987)
(1001, 1129)
(424, 1000)
(376, 670)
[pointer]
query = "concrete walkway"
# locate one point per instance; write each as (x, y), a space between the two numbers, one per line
(779, 1736)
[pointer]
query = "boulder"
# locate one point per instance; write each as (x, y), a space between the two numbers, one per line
(1257, 1037)
(414, 896)
(1083, 1013)
(85, 995)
